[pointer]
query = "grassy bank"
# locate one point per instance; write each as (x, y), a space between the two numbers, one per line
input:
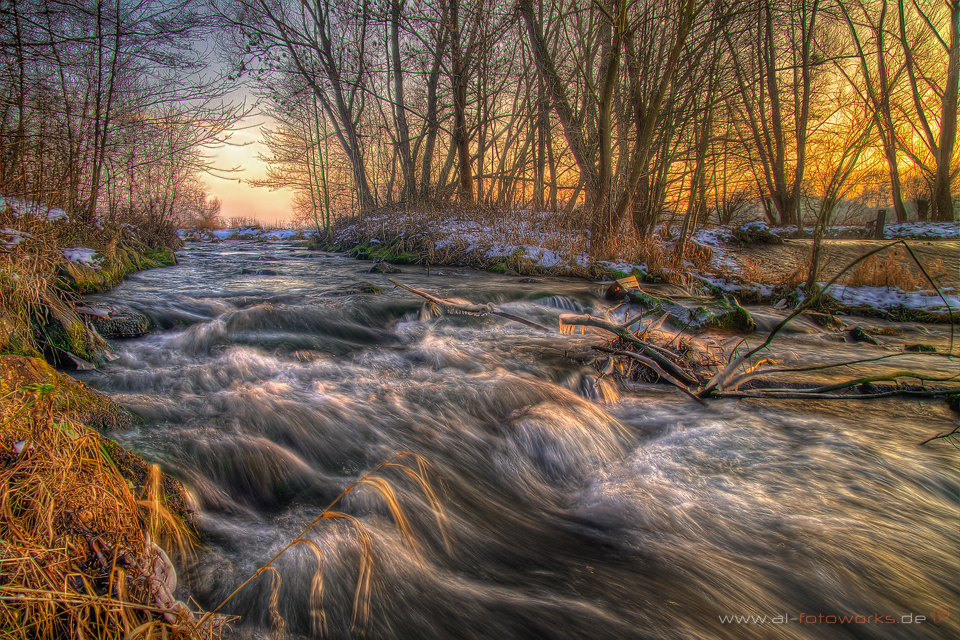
(750, 263)
(46, 261)
(87, 528)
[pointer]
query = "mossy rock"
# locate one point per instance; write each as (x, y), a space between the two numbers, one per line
(719, 312)
(501, 267)
(122, 323)
(72, 399)
(162, 256)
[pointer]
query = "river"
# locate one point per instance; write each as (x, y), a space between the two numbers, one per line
(566, 516)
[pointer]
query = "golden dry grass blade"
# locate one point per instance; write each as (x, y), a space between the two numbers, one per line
(276, 620)
(318, 619)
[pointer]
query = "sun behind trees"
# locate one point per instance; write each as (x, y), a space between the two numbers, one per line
(639, 112)
(106, 109)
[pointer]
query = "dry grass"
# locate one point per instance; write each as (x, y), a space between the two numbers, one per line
(32, 296)
(888, 269)
(663, 258)
(420, 475)
(79, 554)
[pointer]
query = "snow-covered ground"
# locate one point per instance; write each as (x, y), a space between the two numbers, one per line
(889, 298)
(12, 237)
(83, 255)
(922, 230)
(21, 208)
(240, 233)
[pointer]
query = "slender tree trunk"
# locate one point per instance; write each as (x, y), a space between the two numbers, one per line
(399, 108)
(461, 136)
(433, 123)
(942, 195)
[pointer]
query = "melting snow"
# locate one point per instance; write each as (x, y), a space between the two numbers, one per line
(16, 237)
(83, 255)
(887, 298)
(23, 208)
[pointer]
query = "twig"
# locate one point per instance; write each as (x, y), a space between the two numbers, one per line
(942, 436)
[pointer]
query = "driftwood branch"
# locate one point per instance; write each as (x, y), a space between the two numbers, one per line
(656, 369)
(471, 309)
(653, 352)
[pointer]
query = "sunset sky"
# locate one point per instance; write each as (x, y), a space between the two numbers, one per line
(240, 200)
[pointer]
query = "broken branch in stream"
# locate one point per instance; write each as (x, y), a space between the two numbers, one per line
(735, 372)
(653, 352)
(656, 369)
(468, 308)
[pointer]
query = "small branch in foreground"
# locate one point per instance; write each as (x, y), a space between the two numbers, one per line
(943, 436)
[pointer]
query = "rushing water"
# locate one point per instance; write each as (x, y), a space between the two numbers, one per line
(567, 517)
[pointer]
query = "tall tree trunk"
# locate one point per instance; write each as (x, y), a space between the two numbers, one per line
(432, 119)
(461, 136)
(942, 195)
(399, 108)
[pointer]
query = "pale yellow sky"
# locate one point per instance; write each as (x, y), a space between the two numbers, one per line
(238, 198)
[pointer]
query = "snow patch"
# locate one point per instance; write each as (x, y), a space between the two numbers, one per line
(21, 208)
(83, 255)
(888, 298)
(922, 230)
(16, 237)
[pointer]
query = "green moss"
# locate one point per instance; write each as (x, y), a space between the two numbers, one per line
(406, 257)
(361, 251)
(500, 267)
(616, 274)
(738, 319)
(162, 256)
